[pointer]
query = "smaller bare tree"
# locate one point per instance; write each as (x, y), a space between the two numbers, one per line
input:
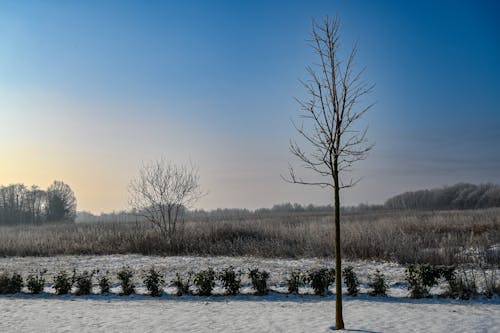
(162, 192)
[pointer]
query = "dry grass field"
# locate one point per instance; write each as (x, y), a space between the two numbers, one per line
(439, 237)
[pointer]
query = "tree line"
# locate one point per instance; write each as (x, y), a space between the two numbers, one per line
(459, 196)
(277, 208)
(20, 204)
(130, 216)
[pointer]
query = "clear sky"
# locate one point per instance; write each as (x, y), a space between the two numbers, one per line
(91, 89)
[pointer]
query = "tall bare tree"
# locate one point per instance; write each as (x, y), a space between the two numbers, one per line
(162, 192)
(330, 126)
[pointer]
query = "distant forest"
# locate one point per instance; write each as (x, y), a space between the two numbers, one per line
(459, 196)
(219, 212)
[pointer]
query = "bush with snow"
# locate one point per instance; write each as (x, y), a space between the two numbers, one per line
(491, 284)
(259, 280)
(295, 280)
(205, 281)
(320, 279)
(36, 281)
(231, 280)
(181, 284)
(11, 284)
(83, 282)
(421, 278)
(351, 281)
(104, 283)
(378, 284)
(63, 283)
(153, 280)
(462, 284)
(125, 276)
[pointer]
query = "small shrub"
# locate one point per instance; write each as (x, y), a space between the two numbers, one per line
(429, 275)
(181, 285)
(4, 283)
(11, 284)
(467, 287)
(378, 284)
(125, 276)
(16, 283)
(295, 280)
(63, 283)
(449, 274)
(230, 279)
(259, 280)
(320, 280)
(104, 283)
(83, 282)
(459, 284)
(421, 278)
(153, 282)
(205, 281)
(417, 290)
(36, 281)
(351, 281)
(491, 284)
(463, 285)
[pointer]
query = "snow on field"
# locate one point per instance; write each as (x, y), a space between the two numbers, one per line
(225, 314)
(276, 312)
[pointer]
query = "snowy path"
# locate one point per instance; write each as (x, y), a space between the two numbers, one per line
(223, 314)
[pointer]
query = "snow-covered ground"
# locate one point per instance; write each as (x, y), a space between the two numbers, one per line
(276, 312)
(225, 314)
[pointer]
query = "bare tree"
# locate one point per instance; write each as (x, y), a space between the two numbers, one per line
(331, 113)
(162, 192)
(13, 204)
(36, 202)
(61, 203)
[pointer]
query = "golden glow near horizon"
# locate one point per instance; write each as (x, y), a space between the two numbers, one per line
(55, 149)
(97, 149)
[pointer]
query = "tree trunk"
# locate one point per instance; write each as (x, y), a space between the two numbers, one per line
(339, 320)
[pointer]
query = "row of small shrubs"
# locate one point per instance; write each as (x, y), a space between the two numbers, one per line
(230, 279)
(420, 280)
(204, 281)
(63, 283)
(461, 284)
(322, 278)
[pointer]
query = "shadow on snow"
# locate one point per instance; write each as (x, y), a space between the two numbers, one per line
(271, 297)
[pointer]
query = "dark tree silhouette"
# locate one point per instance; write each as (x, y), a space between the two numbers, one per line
(61, 203)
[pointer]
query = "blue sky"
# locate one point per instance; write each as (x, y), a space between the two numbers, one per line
(90, 89)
